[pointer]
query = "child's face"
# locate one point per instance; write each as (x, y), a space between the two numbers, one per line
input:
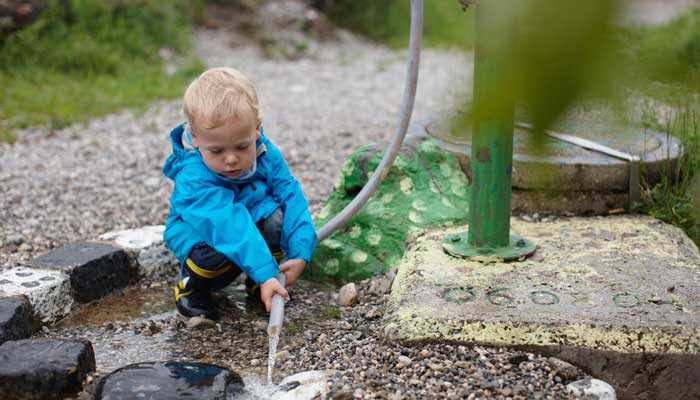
(228, 149)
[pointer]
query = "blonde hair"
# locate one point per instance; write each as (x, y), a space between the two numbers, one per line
(219, 94)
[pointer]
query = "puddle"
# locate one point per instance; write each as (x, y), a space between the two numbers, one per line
(128, 304)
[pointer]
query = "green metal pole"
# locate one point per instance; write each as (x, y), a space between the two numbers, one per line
(491, 163)
(492, 134)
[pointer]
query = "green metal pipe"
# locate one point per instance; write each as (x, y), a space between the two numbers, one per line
(492, 133)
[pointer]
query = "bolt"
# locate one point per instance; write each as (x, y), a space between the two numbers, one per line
(521, 243)
(455, 238)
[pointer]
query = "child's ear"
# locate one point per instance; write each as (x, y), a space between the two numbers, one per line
(257, 130)
(195, 142)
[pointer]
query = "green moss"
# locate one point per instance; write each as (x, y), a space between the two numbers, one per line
(424, 188)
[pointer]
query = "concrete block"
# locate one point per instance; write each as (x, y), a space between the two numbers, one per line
(146, 245)
(44, 368)
(95, 269)
(617, 296)
(48, 291)
(15, 318)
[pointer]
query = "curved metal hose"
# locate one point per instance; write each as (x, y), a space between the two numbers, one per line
(409, 96)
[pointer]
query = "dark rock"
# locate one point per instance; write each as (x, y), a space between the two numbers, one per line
(15, 318)
(44, 368)
(170, 380)
(563, 368)
(517, 359)
(95, 269)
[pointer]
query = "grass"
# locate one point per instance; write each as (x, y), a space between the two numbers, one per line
(85, 58)
(675, 198)
(330, 312)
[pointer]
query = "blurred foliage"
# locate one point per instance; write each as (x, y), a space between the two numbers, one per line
(444, 23)
(663, 60)
(87, 57)
(541, 57)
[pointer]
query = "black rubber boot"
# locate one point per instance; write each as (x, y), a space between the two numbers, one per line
(194, 303)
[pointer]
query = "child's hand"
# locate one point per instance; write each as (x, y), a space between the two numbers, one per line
(292, 269)
(268, 289)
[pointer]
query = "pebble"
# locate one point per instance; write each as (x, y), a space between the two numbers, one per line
(200, 323)
(403, 362)
(348, 295)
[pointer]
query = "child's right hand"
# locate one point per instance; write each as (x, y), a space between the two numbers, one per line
(268, 289)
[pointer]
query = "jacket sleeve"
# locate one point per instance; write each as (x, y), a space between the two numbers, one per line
(224, 225)
(298, 238)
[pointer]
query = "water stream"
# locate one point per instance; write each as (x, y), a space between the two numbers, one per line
(272, 355)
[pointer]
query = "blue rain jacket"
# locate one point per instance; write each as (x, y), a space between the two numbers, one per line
(222, 212)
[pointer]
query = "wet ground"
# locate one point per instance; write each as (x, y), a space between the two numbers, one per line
(140, 324)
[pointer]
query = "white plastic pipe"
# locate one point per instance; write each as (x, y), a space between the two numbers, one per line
(409, 96)
(274, 327)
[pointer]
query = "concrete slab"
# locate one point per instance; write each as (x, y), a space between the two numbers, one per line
(625, 285)
(48, 291)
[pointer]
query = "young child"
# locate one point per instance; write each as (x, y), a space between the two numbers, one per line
(235, 206)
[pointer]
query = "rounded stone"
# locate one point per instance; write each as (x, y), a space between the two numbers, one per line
(170, 380)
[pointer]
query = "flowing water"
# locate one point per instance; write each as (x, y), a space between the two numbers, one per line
(272, 355)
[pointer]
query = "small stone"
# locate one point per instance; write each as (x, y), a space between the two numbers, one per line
(15, 239)
(379, 286)
(348, 295)
(26, 247)
(282, 355)
(563, 368)
(255, 362)
(200, 323)
(146, 332)
(403, 362)
(425, 353)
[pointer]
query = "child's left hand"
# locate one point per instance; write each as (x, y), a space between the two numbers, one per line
(292, 269)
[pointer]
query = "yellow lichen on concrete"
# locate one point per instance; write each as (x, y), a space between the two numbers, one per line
(626, 284)
(614, 338)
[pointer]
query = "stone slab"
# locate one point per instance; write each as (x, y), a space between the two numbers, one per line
(95, 269)
(48, 291)
(44, 368)
(170, 380)
(15, 318)
(153, 258)
(624, 288)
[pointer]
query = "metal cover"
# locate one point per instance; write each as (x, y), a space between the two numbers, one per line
(567, 167)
